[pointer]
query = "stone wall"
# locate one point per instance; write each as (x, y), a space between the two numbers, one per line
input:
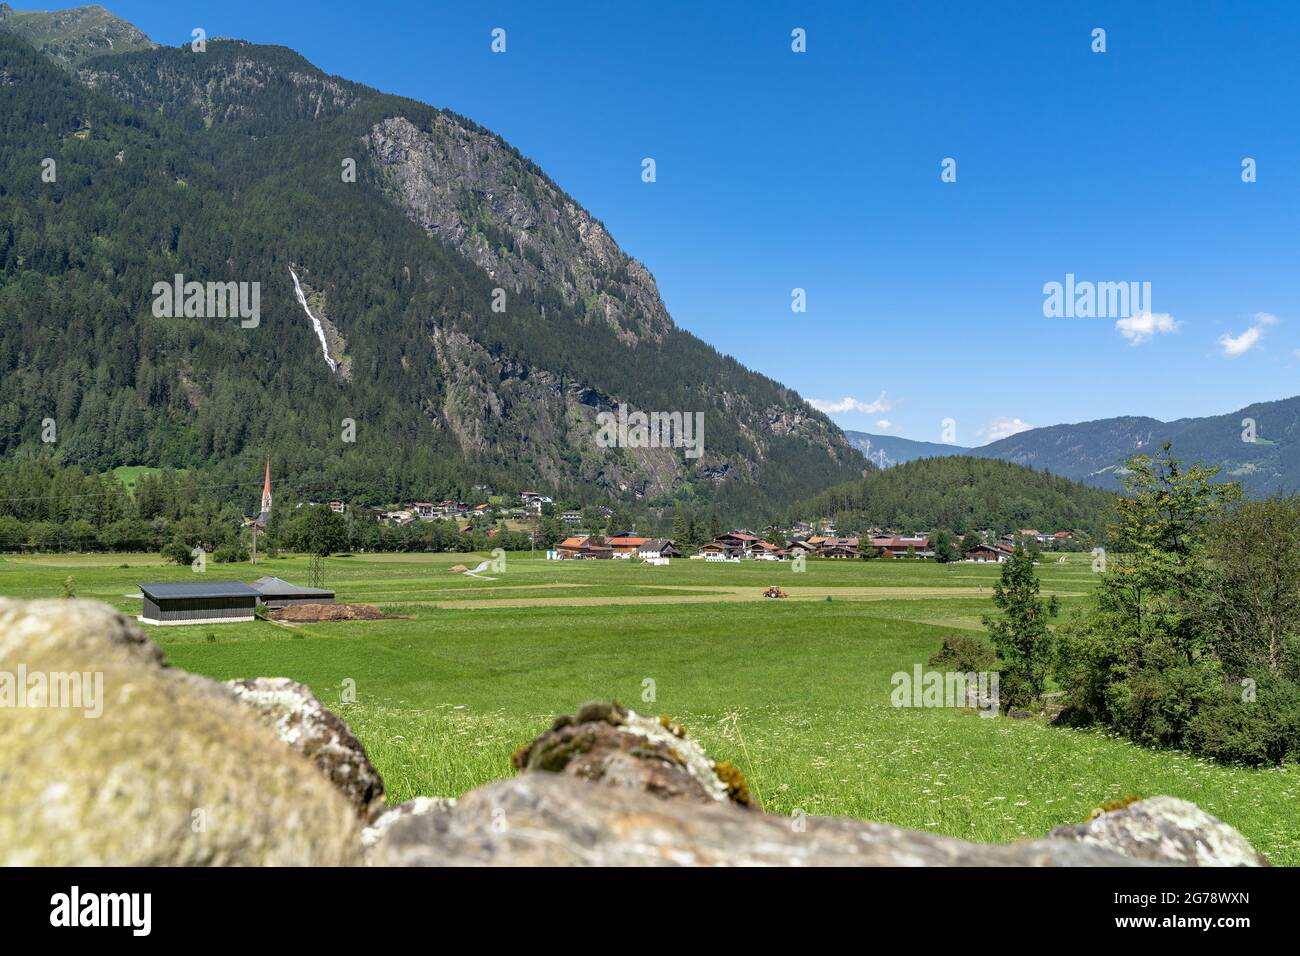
(177, 769)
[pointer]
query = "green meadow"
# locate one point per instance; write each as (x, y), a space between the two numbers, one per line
(128, 475)
(796, 692)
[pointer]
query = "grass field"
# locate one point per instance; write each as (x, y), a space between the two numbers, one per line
(128, 475)
(795, 692)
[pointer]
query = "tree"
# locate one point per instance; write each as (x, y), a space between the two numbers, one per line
(323, 531)
(1021, 634)
(551, 530)
(1154, 591)
(12, 533)
(1256, 602)
(618, 521)
(81, 535)
(681, 527)
(1141, 658)
(941, 543)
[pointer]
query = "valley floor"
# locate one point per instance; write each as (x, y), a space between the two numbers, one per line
(796, 692)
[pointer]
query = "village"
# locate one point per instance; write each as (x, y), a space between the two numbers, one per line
(803, 539)
(745, 546)
(817, 539)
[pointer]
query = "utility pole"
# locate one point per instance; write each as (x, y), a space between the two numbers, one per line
(254, 542)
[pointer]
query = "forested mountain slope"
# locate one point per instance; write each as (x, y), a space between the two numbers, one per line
(229, 166)
(961, 493)
(71, 36)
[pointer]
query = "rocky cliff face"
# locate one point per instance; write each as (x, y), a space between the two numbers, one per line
(488, 400)
(468, 189)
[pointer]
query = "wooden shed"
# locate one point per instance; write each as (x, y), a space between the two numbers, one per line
(210, 602)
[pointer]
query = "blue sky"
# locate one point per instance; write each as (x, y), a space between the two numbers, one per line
(821, 171)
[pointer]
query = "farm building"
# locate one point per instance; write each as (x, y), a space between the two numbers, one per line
(838, 551)
(213, 602)
(716, 551)
(579, 546)
(659, 548)
(277, 592)
(910, 547)
(987, 552)
(625, 545)
(740, 541)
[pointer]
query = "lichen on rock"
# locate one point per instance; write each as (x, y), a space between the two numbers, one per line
(173, 771)
(417, 807)
(1164, 830)
(305, 724)
(607, 743)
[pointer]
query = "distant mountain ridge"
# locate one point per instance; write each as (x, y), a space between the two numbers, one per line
(70, 37)
(1094, 452)
(886, 451)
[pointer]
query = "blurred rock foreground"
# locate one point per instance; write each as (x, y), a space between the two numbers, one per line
(177, 769)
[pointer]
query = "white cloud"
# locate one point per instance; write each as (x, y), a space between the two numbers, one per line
(847, 404)
(1233, 346)
(1144, 326)
(884, 424)
(1002, 427)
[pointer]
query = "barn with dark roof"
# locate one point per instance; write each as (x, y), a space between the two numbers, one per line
(277, 592)
(209, 602)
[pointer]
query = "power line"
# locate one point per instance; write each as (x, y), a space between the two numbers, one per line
(123, 489)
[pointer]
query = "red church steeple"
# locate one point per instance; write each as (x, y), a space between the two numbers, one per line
(265, 516)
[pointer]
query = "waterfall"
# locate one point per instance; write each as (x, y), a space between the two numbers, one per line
(320, 329)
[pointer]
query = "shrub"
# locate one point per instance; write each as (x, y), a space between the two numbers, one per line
(1257, 729)
(961, 652)
(177, 552)
(1158, 702)
(230, 554)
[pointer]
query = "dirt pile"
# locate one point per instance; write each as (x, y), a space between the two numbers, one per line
(308, 613)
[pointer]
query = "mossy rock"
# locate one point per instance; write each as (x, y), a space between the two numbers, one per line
(173, 770)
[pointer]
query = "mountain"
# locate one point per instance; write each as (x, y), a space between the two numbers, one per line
(886, 451)
(70, 37)
(422, 287)
(1094, 452)
(961, 493)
